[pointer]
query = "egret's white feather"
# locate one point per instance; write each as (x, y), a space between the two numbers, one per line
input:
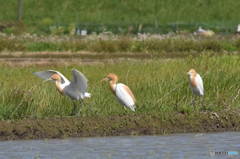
(124, 97)
(66, 81)
(76, 89)
(46, 75)
(199, 83)
(198, 89)
(85, 95)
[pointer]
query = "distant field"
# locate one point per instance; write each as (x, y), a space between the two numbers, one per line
(155, 44)
(218, 14)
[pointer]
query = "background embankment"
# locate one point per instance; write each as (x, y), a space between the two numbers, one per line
(156, 44)
(152, 16)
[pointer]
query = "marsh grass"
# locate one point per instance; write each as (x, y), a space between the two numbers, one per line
(160, 87)
(123, 44)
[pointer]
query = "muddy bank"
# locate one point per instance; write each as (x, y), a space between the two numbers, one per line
(67, 58)
(136, 124)
(84, 57)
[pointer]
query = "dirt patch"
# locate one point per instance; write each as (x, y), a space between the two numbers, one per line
(67, 58)
(135, 124)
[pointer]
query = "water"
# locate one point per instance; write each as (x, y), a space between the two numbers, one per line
(179, 146)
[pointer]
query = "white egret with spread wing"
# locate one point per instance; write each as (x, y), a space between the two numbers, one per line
(121, 91)
(75, 89)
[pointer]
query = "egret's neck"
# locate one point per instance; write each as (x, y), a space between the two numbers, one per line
(193, 80)
(113, 85)
(59, 86)
(192, 76)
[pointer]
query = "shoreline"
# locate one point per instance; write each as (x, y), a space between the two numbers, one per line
(119, 125)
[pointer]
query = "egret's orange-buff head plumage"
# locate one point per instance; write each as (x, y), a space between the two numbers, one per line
(56, 77)
(192, 72)
(111, 77)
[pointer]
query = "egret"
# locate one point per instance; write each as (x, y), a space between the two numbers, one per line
(121, 91)
(203, 32)
(75, 89)
(238, 29)
(196, 82)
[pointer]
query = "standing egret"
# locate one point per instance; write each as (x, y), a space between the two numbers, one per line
(75, 89)
(196, 82)
(121, 91)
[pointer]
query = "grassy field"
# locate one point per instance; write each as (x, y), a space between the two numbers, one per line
(99, 15)
(155, 44)
(160, 86)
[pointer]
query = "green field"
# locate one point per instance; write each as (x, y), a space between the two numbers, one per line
(122, 44)
(96, 15)
(160, 86)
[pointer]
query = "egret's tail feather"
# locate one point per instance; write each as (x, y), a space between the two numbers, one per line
(87, 95)
(132, 107)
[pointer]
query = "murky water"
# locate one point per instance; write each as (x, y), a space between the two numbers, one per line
(192, 146)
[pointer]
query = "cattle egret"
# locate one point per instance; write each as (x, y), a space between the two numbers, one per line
(238, 28)
(203, 32)
(121, 91)
(75, 89)
(196, 82)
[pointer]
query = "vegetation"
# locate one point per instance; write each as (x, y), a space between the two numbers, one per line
(153, 15)
(160, 86)
(121, 44)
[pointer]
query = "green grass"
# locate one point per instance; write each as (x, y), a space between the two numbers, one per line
(99, 15)
(177, 43)
(160, 87)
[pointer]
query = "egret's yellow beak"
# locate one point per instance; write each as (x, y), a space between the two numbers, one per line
(47, 80)
(104, 79)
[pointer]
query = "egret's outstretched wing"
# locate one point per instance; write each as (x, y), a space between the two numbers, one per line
(79, 81)
(47, 74)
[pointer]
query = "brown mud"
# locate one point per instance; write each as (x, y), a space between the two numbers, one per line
(49, 58)
(134, 124)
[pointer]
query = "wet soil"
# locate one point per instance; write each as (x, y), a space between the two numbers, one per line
(49, 58)
(134, 124)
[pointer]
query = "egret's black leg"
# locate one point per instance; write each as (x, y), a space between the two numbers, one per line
(202, 103)
(81, 103)
(74, 110)
(193, 102)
